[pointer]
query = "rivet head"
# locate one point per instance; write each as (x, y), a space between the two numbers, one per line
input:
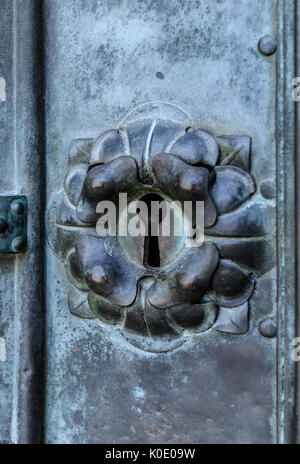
(17, 207)
(3, 225)
(267, 45)
(268, 328)
(267, 189)
(18, 244)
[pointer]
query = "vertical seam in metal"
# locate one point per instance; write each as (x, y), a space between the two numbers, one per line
(14, 419)
(44, 171)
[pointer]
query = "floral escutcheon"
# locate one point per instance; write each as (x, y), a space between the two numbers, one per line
(192, 290)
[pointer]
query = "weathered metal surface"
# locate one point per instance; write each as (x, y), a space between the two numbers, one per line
(184, 293)
(217, 387)
(101, 59)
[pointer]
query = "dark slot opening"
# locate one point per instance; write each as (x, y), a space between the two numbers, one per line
(151, 247)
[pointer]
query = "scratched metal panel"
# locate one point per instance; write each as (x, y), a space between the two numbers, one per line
(102, 60)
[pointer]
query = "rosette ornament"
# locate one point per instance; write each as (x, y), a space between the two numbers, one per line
(158, 304)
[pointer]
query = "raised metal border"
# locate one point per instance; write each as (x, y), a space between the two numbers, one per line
(28, 382)
(286, 214)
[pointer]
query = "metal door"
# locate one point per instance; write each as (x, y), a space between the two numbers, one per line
(156, 97)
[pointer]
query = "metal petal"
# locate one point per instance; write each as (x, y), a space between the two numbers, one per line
(232, 285)
(78, 304)
(194, 317)
(104, 182)
(140, 134)
(232, 187)
(67, 214)
(62, 238)
(106, 311)
(183, 182)
(256, 255)
(107, 146)
(233, 321)
(144, 319)
(197, 147)
(74, 182)
(107, 270)
(146, 138)
(164, 135)
(188, 282)
(248, 221)
(158, 324)
(75, 272)
(135, 322)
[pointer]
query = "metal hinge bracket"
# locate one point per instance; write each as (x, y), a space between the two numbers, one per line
(13, 224)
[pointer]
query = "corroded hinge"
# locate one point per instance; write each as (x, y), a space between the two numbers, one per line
(13, 224)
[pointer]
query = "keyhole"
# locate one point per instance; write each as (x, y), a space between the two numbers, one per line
(151, 244)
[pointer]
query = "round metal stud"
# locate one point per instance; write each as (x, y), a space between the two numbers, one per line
(3, 225)
(268, 328)
(267, 45)
(267, 189)
(17, 207)
(18, 244)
